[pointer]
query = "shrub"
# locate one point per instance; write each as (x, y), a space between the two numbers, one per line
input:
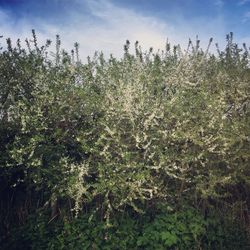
(123, 135)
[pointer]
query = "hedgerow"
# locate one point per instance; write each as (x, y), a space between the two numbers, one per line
(119, 138)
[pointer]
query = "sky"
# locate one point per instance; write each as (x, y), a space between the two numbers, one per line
(105, 25)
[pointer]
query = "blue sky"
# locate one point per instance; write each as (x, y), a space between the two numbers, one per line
(106, 24)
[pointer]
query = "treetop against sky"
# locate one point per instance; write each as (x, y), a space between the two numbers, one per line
(106, 24)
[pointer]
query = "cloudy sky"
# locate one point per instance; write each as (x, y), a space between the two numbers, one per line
(106, 24)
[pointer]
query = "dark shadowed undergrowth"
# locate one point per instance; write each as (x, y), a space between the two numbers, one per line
(148, 151)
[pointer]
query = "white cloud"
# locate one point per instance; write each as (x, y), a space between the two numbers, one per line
(111, 25)
(219, 3)
(242, 2)
(246, 17)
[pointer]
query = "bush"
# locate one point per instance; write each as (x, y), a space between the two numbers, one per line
(123, 135)
(186, 229)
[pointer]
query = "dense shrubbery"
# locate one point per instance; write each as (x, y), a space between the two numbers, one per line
(186, 229)
(150, 151)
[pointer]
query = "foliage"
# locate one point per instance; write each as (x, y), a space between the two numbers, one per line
(185, 229)
(115, 136)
